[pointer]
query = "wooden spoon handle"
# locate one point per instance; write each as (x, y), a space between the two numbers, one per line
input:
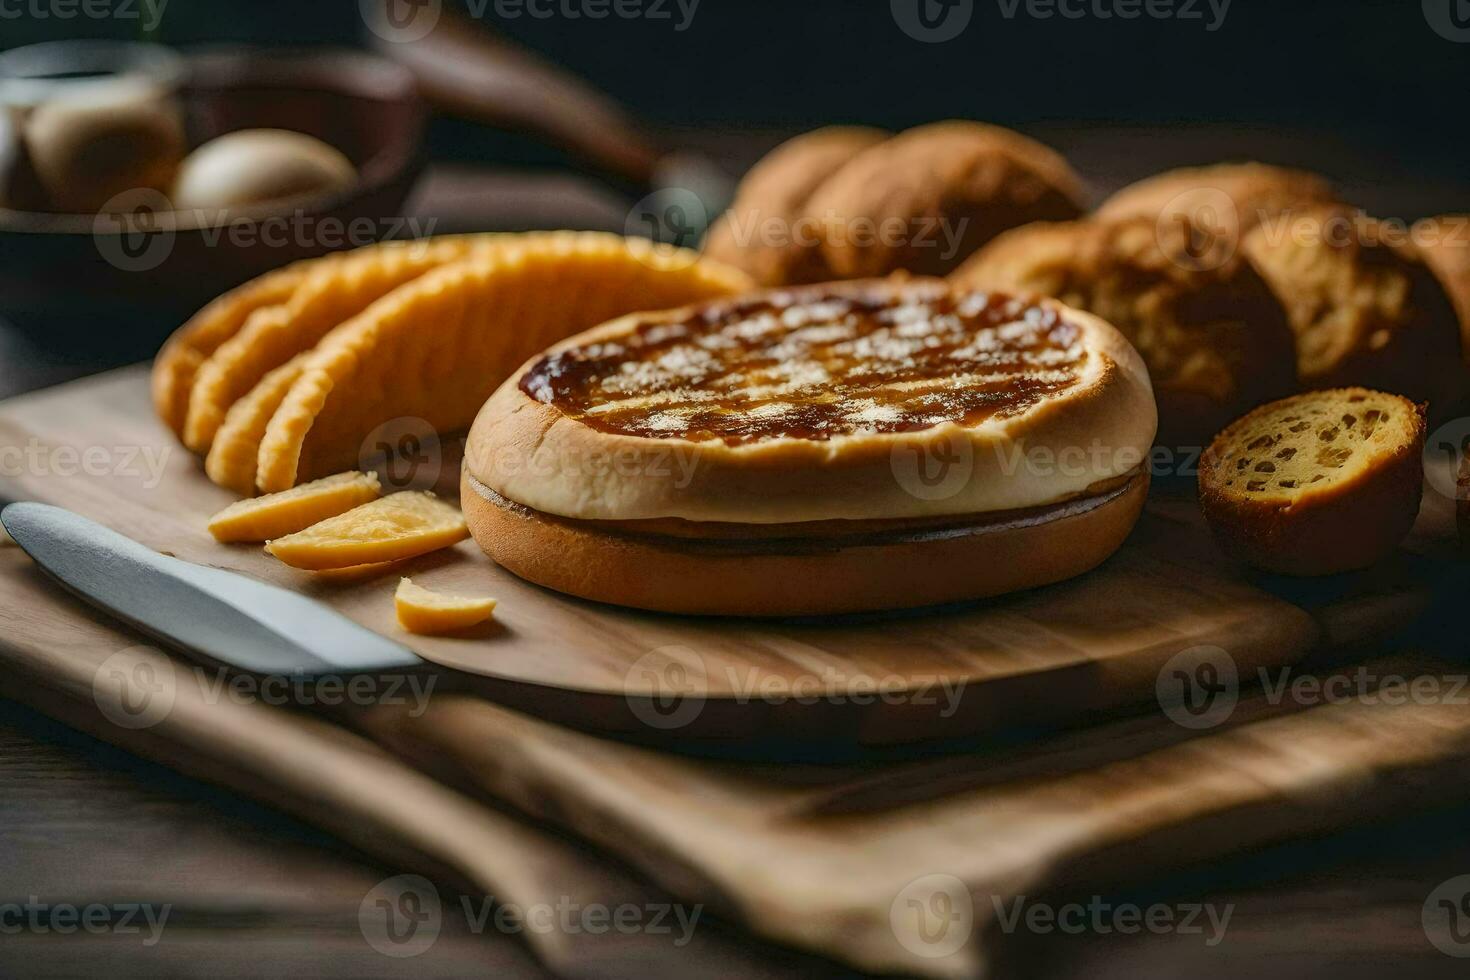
(467, 70)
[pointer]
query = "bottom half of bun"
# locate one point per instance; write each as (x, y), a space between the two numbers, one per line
(819, 568)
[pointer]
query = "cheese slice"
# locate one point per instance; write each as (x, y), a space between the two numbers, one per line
(422, 611)
(400, 525)
(277, 514)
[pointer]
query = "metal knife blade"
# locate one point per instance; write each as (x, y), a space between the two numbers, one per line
(225, 617)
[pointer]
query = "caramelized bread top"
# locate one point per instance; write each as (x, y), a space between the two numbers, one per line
(806, 365)
(866, 400)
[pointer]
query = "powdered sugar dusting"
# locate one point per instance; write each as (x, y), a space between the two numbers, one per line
(819, 362)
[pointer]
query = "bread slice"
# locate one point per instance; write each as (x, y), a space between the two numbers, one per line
(1364, 307)
(1321, 482)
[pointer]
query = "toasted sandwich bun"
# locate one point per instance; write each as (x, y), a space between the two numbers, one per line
(830, 448)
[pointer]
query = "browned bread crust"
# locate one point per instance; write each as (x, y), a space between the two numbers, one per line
(1322, 482)
(756, 234)
(1214, 337)
(1256, 191)
(964, 179)
(784, 570)
(863, 206)
(1365, 308)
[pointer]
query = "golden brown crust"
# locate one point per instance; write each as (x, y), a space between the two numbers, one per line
(755, 234)
(1098, 428)
(1365, 308)
(1257, 192)
(846, 203)
(962, 179)
(1347, 504)
(858, 571)
(1213, 335)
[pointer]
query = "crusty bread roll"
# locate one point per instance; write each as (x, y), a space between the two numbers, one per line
(1254, 193)
(928, 198)
(763, 231)
(1214, 337)
(1364, 306)
(864, 445)
(845, 203)
(1321, 482)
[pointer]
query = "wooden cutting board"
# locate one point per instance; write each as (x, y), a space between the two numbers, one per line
(1065, 653)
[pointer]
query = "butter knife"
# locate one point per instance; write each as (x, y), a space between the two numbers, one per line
(218, 615)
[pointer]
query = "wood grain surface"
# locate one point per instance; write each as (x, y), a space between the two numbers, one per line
(1064, 653)
(811, 858)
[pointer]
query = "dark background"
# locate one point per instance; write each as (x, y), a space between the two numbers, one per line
(1367, 92)
(1371, 75)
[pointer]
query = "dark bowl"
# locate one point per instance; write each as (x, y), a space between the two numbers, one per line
(147, 272)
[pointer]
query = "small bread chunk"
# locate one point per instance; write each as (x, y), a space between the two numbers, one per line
(422, 611)
(1318, 483)
(400, 525)
(277, 514)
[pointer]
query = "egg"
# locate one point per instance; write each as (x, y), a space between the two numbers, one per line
(256, 166)
(86, 150)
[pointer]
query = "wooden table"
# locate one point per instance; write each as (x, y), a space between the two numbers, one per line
(254, 892)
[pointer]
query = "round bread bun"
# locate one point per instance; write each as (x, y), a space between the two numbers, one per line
(791, 570)
(849, 202)
(1239, 196)
(829, 448)
(1214, 337)
(928, 198)
(817, 403)
(759, 232)
(1365, 308)
(1319, 483)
